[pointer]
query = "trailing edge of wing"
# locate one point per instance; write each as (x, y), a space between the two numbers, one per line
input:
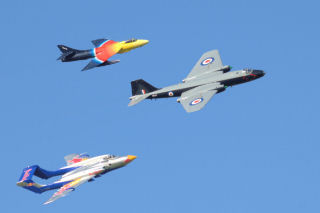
(66, 54)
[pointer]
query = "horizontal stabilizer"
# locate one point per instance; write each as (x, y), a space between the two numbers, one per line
(65, 55)
(136, 99)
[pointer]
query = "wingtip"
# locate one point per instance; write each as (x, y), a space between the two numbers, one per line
(46, 203)
(85, 68)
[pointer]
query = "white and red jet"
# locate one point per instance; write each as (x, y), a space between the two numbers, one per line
(80, 169)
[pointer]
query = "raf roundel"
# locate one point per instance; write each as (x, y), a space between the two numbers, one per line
(196, 101)
(170, 94)
(207, 61)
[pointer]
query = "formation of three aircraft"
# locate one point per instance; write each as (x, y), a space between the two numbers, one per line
(207, 78)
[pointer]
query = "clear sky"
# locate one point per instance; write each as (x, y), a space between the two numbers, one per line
(254, 148)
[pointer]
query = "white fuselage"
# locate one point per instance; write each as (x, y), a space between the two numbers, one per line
(93, 166)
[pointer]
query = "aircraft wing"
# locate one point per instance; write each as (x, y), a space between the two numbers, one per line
(209, 62)
(67, 188)
(196, 98)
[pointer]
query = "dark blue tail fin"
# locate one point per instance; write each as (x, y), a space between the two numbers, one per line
(26, 182)
(65, 49)
(66, 52)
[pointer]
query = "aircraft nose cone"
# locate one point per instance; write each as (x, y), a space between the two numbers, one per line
(144, 42)
(259, 73)
(130, 158)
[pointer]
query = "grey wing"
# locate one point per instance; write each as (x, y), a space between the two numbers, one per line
(209, 61)
(67, 188)
(195, 99)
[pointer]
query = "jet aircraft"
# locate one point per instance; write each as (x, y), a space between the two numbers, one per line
(103, 50)
(80, 169)
(207, 78)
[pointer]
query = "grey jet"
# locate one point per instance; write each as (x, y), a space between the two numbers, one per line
(207, 78)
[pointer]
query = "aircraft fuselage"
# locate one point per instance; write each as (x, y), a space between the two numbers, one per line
(225, 79)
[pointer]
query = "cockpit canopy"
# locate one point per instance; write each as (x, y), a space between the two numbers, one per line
(248, 70)
(131, 40)
(254, 72)
(109, 157)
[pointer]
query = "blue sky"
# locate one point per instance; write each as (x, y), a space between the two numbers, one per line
(253, 148)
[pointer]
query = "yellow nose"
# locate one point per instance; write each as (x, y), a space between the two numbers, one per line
(130, 158)
(144, 42)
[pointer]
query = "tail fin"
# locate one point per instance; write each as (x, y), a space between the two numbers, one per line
(140, 87)
(65, 49)
(26, 182)
(66, 52)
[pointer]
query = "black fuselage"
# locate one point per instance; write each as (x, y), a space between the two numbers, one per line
(78, 55)
(229, 80)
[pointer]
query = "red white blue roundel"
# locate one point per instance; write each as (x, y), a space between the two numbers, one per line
(196, 101)
(170, 93)
(207, 61)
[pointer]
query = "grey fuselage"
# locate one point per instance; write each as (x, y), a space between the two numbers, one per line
(225, 79)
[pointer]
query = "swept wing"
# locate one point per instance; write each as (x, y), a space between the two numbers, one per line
(209, 62)
(67, 188)
(196, 98)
